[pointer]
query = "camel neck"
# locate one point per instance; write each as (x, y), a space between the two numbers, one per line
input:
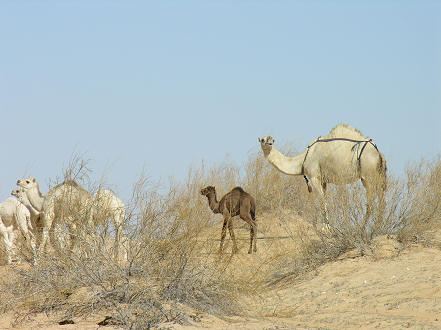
(35, 198)
(287, 165)
(31, 209)
(212, 202)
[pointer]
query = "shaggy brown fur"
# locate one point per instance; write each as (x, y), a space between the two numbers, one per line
(236, 202)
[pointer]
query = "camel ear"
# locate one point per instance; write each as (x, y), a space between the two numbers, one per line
(260, 140)
(33, 179)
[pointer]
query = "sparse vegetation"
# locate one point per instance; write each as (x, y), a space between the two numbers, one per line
(170, 261)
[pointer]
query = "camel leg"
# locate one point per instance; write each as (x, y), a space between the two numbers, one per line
(369, 204)
(224, 232)
(230, 228)
(55, 238)
(46, 220)
(381, 191)
(254, 233)
(8, 249)
(320, 188)
(73, 235)
(118, 222)
(253, 237)
(379, 195)
(326, 227)
(10, 246)
(37, 231)
(6, 241)
(245, 215)
(13, 243)
(29, 237)
(33, 242)
(382, 206)
(117, 240)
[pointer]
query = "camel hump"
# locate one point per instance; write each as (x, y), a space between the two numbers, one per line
(71, 183)
(346, 131)
(244, 194)
(239, 189)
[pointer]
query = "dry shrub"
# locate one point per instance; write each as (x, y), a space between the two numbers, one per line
(169, 259)
(412, 211)
(162, 272)
(415, 202)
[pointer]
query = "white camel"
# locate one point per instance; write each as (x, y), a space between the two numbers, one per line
(33, 193)
(105, 206)
(343, 156)
(13, 215)
(61, 203)
(100, 208)
(20, 194)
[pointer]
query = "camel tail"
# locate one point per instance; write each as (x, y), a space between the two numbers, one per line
(382, 168)
(253, 214)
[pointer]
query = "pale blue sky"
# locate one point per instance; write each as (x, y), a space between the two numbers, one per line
(166, 84)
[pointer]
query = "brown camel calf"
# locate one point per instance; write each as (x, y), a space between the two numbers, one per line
(236, 202)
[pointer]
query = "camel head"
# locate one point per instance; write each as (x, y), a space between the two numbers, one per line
(266, 141)
(17, 193)
(20, 194)
(267, 144)
(207, 190)
(27, 183)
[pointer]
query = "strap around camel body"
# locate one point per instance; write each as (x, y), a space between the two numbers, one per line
(357, 143)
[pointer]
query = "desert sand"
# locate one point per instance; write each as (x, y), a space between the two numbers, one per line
(391, 287)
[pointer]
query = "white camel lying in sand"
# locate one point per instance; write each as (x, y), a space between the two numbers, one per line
(13, 215)
(55, 205)
(343, 156)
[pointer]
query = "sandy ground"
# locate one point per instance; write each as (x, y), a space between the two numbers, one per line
(391, 293)
(389, 289)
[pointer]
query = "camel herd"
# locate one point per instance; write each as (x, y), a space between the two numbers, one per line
(343, 156)
(36, 215)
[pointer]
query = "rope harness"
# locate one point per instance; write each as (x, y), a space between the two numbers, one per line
(357, 144)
